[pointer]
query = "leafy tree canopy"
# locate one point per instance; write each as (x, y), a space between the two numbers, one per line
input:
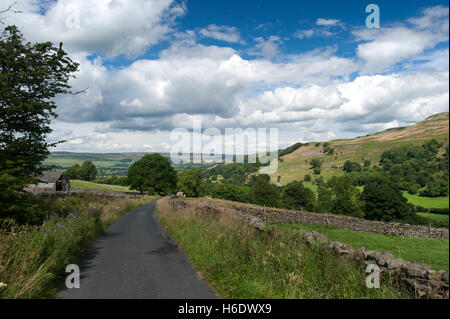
(152, 174)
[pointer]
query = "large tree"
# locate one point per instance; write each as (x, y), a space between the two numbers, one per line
(297, 196)
(386, 202)
(191, 182)
(31, 75)
(346, 197)
(152, 174)
(264, 193)
(87, 171)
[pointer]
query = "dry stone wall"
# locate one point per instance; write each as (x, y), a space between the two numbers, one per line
(425, 281)
(340, 221)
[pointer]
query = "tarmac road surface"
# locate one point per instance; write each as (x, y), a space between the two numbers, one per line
(135, 258)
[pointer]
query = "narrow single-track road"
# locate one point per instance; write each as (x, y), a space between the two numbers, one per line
(135, 258)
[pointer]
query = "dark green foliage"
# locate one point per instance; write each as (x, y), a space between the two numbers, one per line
(386, 203)
(264, 193)
(296, 196)
(346, 198)
(232, 192)
(87, 171)
(317, 170)
(152, 174)
(254, 178)
(367, 163)
(73, 172)
(328, 149)
(435, 189)
(418, 165)
(290, 149)
(316, 162)
(31, 75)
(114, 180)
(324, 200)
(191, 182)
(233, 173)
(413, 189)
(307, 178)
(350, 166)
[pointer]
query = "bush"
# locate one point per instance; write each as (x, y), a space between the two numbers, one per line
(264, 193)
(413, 189)
(297, 196)
(350, 166)
(307, 178)
(236, 193)
(316, 162)
(317, 170)
(386, 203)
(191, 182)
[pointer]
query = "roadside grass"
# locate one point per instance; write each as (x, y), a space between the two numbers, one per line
(242, 262)
(432, 252)
(90, 185)
(427, 202)
(33, 258)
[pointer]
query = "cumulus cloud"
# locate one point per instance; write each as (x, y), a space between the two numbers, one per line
(384, 47)
(268, 48)
(222, 33)
(110, 27)
(312, 96)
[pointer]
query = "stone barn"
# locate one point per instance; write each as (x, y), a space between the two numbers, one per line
(50, 182)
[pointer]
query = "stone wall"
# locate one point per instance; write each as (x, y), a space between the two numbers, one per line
(425, 281)
(341, 221)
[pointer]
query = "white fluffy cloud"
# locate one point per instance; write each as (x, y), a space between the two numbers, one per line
(110, 27)
(312, 96)
(384, 47)
(222, 33)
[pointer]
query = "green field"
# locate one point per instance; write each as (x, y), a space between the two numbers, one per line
(427, 202)
(436, 217)
(432, 252)
(89, 185)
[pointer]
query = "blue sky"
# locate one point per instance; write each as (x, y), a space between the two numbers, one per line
(311, 69)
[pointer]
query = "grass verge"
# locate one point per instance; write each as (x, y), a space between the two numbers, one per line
(33, 258)
(241, 262)
(432, 252)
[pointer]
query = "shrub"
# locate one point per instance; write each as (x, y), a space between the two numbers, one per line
(191, 182)
(316, 162)
(386, 203)
(297, 196)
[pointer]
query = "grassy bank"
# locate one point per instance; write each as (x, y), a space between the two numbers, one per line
(432, 252)
(33, 258)
(241, 262)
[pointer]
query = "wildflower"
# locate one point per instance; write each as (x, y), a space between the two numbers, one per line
(2, 285)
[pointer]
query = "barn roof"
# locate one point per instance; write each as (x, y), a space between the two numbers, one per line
(50, 177)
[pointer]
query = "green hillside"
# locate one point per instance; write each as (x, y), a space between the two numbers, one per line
(295, 166)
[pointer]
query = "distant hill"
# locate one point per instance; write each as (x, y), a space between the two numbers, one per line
(295, 166)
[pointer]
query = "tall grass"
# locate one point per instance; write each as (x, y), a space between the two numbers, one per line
(33, 258)
(242, 262)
